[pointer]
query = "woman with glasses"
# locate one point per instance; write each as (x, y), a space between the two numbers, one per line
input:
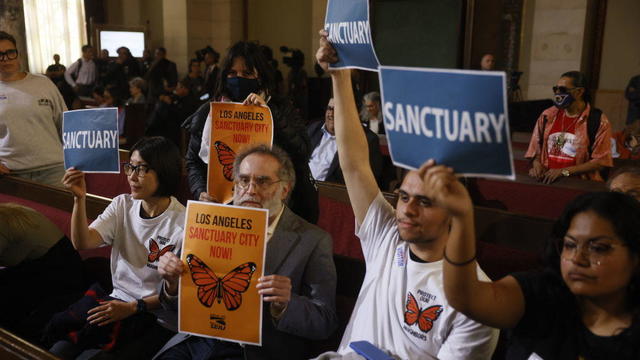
(246, 77)
(140, 227)
(570, 138)
(30, 120)
(585, 303)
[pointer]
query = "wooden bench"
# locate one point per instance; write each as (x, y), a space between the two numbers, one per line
(13, 347)
(527, 196)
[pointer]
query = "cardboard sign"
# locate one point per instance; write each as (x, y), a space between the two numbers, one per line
(224, 249)
(90, 140)
(457, 117)
(233, 126)
(347, 22)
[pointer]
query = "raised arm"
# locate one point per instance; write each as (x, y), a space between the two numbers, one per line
(353, 151)
(82, 236)
(498, 304)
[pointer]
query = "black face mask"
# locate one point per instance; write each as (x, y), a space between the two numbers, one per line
(239, 88)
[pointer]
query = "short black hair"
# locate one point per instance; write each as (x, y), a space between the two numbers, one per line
(164, 158)
(579, 79)
(86, 47)
(9, 37)
(254, 60)
(162, 50)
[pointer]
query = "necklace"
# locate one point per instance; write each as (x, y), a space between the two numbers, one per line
(561, 139)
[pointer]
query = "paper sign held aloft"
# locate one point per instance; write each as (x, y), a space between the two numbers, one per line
(457, 117)
(90, 140)
(347, 22)
(233, 127)
(224, 249)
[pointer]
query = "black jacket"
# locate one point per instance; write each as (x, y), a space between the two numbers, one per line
(335, 173)
(288, 133)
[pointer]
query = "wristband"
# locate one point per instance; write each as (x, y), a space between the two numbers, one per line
(463, 263)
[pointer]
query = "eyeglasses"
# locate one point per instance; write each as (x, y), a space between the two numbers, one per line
(10, 54)
(140, 170)
(593, 250)
(563, 89)
(260, 182)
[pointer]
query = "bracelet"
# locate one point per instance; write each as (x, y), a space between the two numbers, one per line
(463, 263)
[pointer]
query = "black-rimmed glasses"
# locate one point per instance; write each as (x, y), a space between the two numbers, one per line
(10, 54)
(260, 182)
(140, 170)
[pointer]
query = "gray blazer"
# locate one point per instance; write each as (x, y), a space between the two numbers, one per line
(302, 252)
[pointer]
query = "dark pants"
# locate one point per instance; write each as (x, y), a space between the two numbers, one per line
(34, 290)
(200, 348)
(143, 346)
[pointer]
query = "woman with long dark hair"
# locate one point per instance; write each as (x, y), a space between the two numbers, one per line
(247, 77)
(584, 304)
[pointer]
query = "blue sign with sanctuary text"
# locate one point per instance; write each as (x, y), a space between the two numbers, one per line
(347, 22)
(90, 140)
(456, 117)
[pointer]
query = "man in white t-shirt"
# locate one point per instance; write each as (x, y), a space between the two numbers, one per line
(401, 307)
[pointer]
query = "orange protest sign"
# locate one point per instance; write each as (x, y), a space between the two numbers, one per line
(224, 249)
(233, 126)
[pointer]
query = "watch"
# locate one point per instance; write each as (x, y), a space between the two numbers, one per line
(565, 172)
(141, 306)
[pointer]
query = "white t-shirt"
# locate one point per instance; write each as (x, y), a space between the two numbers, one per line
(120, 225)
(391, 279)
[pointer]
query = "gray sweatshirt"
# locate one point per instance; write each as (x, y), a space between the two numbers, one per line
(30, 124)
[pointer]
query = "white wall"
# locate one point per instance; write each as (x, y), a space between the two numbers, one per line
(621, 45)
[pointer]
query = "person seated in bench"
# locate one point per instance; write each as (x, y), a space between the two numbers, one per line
(299, 286)
(140, 227)
(626, 143)
(570, 138)
(34, 256)
(626, 180)
(584, 305)
(324, 162)
(401, 307)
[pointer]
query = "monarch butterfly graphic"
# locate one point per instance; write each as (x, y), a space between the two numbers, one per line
(226, 156)
(154, 250)
(228, 288)
(424, 317)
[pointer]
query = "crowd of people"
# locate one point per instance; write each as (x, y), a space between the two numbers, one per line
(424, 296)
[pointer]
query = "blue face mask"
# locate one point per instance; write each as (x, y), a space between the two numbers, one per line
(239, 88)
(563, 101)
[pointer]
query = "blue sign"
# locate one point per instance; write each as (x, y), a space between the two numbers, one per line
(456, 117)
(90, 140)
(347, 22)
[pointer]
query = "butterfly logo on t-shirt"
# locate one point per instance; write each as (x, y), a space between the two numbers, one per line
(228, 288)
(154, 250)
(424, 317)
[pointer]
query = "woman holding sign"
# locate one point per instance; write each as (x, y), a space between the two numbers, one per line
(247, 78)
(584, 305)
(140, 227)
